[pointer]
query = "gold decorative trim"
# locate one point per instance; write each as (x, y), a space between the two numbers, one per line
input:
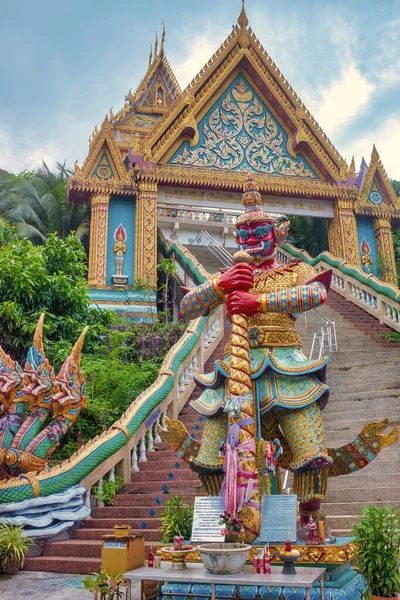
(233, 180)
(311, 555)
(385, 248)
(98, 239)
(31, 477)
(146, 232)
(367, 208)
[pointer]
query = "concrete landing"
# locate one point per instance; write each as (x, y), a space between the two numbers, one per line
(47, 586)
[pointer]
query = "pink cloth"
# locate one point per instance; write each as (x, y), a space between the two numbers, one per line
(236, 494)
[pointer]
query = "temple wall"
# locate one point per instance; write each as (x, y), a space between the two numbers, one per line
(122, 210)
(365, 231)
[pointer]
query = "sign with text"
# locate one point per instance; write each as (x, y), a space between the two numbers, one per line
(209, 200)
(279, 514)
(206, 527)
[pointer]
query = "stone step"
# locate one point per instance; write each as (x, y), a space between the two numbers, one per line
(374, 495)
(149, 501)
(126, 512)
(343, 508)
(164, 475)
(150, 535)
(73, 548)
(354, 426)
(62, 564)
(384, 471)
(161, 463)
(160, 487)
(109, 522)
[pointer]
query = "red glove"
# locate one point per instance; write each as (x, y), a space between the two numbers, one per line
(242, 303)
(239, 277)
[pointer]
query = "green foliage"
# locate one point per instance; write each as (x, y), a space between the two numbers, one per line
(396, 245)
(393, 336)
(176, 519)
(167, 267)
(396, 186)
(309, 233)
(103, 585)
(13, 547)
(124, 366)
(109, 489)
(37, 204)
(377, 537)
(49, 279)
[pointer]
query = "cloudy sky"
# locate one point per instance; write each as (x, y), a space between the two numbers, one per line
(64, 64)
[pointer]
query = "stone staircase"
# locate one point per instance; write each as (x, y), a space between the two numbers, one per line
(364, 378)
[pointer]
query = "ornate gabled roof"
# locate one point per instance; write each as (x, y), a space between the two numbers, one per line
(103, 169)
(242, 51)
(377, 196)
(156, 92)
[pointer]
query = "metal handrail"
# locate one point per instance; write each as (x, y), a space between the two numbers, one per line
(205, 239)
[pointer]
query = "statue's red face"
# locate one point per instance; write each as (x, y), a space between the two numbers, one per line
(257, 239)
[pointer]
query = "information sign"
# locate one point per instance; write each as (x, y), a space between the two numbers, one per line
(278, 516)
(206, 527)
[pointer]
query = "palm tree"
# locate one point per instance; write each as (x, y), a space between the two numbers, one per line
(37, 204)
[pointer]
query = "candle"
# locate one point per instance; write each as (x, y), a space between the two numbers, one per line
(321, 532)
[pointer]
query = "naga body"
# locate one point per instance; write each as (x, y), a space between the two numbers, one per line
(264, 388)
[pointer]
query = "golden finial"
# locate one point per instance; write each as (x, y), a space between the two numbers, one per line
(162, 40)
(112, 116)
(151, 54)
(76, 166)
(374, 155)
(243, 20)
(96, 130)
(352, 168)
(156, 45)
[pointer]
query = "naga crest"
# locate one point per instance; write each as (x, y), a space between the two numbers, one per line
(12, 379)
(38, 371)
(70, 384)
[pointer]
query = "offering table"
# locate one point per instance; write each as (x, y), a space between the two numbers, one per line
(197, 573)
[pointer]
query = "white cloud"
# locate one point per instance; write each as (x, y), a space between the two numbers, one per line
(343, 99)
(387, 141)
(197, 51)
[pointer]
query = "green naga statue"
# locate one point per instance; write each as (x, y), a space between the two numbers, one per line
(33, 397)
(263, 402)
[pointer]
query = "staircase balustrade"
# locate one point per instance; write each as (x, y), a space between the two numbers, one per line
(366, 291)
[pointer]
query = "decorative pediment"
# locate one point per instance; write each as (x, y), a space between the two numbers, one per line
(103, 169)
(377, 196)
(239, 132)
(299, 139)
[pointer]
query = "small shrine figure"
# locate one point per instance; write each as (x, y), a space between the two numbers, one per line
(273, 450)
(312, 535)
(366, 257)
(119, 251)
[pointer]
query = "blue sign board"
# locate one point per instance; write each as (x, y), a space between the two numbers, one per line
(278, 516)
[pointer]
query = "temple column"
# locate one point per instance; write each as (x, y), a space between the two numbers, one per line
(98, 239)
(146, 233)
(384, 246)
(343, 238)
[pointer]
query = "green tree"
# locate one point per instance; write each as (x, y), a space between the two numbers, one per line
(37, 204)
(50, 279)
(168, 267)
(396, 186)
(309, 233)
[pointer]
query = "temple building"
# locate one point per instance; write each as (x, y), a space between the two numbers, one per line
(176, 160)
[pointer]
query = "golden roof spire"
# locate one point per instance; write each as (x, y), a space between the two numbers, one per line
(162, 40)
(156, 45)
(243, 20)
(151, 54)
(352, 168)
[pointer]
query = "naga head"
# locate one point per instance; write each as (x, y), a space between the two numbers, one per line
(12, 379)
(38, 371)
(257, 232)
(70, 383)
